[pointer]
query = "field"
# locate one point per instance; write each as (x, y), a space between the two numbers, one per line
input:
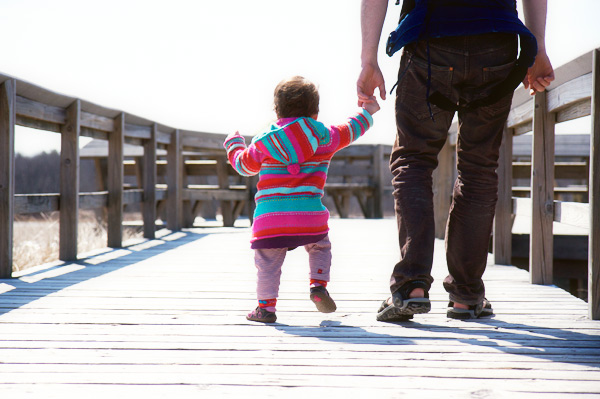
(36, 237)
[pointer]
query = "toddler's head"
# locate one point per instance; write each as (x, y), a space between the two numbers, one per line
(296, 97)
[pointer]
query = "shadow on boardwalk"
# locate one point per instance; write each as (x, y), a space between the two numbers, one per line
(88, 268)
(548, 344)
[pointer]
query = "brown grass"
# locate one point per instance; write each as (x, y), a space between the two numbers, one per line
(36, 239)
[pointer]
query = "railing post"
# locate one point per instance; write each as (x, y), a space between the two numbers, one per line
(223, 177)
(115, 182)
(174, 182)
(7, 174)
(379, 166)
(502, 241)
(443, 183)
(541, 250)
(149, 184)
(594, 238)
(69, 182)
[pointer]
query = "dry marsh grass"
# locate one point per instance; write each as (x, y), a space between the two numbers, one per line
(36, 239)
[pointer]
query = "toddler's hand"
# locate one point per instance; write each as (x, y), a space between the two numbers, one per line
(234, 140)
(372, 106)
(233, 135)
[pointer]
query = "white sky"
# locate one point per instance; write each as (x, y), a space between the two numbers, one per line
(212, 65)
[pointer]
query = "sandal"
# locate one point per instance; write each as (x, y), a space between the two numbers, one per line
(320, 297)
(403, 309)
(261, 315)
(482, 309)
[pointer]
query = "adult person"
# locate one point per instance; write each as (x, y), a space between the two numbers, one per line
(460, 56)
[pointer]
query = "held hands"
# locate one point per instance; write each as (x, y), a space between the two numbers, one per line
(369, 79)
(539, 75)
(371, 105)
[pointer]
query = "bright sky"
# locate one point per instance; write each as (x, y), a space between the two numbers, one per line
(212, 65)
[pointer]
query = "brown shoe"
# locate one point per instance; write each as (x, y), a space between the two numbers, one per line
(322, 300)
(261, 315)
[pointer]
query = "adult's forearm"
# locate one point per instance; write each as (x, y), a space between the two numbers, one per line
(535, 19)
(372, 16)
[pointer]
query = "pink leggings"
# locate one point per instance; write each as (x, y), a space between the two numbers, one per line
(269, 261)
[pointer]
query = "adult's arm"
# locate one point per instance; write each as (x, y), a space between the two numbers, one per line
(541, 72)
(372, 16)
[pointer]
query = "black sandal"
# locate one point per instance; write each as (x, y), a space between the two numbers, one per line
(482, 309)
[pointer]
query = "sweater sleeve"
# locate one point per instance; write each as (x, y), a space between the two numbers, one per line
(354, 128)
(245, 160)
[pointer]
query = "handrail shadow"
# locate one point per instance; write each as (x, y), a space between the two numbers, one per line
(85, 269)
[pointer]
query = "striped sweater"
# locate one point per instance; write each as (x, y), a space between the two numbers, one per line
(291, 160)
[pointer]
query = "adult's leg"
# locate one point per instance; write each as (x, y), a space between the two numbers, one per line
(476, 189)
(420, 136)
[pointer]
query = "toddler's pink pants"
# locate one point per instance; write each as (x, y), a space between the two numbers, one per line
(269, 261)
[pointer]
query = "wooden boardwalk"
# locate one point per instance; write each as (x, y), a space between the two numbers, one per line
(165, 318)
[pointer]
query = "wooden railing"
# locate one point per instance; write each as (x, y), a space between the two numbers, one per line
(24, 104)
(574, 94)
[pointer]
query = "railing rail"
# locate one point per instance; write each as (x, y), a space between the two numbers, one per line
(25, 104)
(574, 94)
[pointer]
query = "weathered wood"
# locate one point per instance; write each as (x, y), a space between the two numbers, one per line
(443, 183)
(149, 184)
(542, 193)
(380, 180)
(85, 327)
(7, 174)
(175, 183)
(115, 183)
(69, 182)
(502, 236)
(223, 178)
(594, 238)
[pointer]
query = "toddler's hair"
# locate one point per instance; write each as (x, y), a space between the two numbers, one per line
(296, 97)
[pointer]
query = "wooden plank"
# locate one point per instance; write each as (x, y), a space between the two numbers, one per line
(594, 239)
(39, 111)
(542, 193)
(175, 183)
(115, 183)
(575, 91)
(36, 203)
(223, 178)
(7, 175)
(198, 194)
(149, 184)
(69, 182)
(572, 213)
(97, 122)
(502, 236)
(443, 184)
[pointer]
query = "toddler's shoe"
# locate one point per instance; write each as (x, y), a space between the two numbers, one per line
(322, 300)
(261, 315)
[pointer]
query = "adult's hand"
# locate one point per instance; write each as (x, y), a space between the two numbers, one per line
(540, 75)
(369, 79)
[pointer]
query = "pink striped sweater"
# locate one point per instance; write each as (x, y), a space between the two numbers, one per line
(291, 160)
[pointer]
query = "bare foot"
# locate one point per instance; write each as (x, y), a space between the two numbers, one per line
(416, 293)
(460, 306)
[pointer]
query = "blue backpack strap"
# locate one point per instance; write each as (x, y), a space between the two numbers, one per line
(422, 19)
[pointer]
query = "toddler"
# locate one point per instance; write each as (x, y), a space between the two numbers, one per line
(291, 159)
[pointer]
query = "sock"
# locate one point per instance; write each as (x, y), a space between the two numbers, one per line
(267, 304)
(316, 283)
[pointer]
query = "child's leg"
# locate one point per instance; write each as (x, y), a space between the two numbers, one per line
(268, 264)
(319, 260)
